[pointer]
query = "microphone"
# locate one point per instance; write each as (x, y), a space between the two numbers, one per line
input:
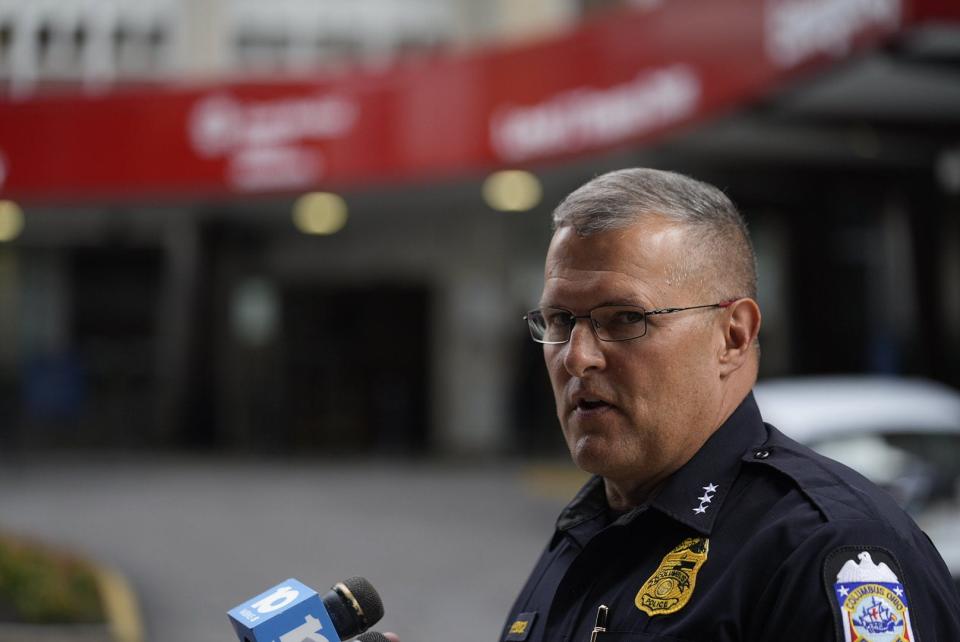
(293, 612)
(373, 636)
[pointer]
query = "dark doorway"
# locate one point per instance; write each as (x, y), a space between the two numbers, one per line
(356, 368)
(115, 295)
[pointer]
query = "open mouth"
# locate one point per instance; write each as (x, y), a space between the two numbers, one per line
(591, 404)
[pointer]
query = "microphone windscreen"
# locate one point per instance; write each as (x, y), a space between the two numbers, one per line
(354, 606)
(367, 597)
(373, 636)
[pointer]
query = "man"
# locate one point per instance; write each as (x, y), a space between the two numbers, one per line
(701, 523)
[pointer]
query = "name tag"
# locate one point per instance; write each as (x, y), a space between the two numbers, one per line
(521, 627)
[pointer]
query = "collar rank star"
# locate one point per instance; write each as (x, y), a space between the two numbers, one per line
(708, 491)
(871, 598)
(670, 587)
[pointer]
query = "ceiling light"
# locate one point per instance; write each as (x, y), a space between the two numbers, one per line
(320, 213)
(512, 190)
(11, 220)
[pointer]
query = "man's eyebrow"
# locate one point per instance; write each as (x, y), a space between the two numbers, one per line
(619, 301)
(630, 301)
(556, 306)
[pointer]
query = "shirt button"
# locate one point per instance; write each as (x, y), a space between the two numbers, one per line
(761, 454)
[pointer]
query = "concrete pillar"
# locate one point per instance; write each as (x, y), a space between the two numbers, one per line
(181, 246)
(472, 358)
(205, 31)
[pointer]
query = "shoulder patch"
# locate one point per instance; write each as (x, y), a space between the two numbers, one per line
(669, 588)
(867, 595)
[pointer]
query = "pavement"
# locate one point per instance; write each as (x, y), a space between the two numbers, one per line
(447, 545)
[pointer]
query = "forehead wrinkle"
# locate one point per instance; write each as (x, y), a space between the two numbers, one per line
(599, 287)
(648, 260)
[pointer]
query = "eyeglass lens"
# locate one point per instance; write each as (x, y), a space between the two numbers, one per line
(610, 322)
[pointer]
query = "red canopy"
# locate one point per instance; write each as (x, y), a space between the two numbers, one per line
(626, 77)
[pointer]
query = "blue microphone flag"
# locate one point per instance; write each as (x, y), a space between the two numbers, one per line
(288, 612)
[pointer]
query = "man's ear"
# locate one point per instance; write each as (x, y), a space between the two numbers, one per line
(741, 327)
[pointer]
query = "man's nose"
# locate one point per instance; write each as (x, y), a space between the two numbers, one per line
(584, 351)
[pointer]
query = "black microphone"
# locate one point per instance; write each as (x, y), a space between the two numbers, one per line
(373, 636)
(291, 612)
(354, 606)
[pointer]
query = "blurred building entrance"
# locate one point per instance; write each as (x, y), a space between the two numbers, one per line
(356, 368)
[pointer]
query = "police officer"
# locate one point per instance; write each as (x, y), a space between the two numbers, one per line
(701, 522)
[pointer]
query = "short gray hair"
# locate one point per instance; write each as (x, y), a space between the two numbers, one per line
(724, 260)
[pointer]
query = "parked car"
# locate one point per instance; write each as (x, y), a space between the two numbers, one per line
(902, 433)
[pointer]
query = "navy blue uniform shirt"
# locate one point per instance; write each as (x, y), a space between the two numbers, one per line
(756, 538)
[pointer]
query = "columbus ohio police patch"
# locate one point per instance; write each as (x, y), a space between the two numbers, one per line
(867, 595)
(669, 588)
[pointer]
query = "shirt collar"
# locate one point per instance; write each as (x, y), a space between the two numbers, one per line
(692, 495)
(589, 503)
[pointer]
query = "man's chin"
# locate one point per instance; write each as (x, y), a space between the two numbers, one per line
(593, 455)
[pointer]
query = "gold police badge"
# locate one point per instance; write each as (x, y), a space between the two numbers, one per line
(669, 588)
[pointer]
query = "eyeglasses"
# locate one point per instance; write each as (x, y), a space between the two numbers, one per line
(609, 322)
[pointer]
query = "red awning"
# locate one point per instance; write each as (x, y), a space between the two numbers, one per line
(624, 78)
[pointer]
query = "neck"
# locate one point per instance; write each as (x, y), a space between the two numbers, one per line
(626, 495)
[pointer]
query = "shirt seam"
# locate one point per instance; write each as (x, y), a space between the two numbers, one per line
(821, 502)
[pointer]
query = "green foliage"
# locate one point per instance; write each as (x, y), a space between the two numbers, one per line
(40, 585)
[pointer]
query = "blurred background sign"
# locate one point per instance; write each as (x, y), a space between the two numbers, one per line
(626, 77)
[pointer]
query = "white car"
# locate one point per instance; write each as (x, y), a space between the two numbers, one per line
(902, 433)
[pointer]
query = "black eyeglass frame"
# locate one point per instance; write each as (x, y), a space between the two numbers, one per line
(594, 325)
